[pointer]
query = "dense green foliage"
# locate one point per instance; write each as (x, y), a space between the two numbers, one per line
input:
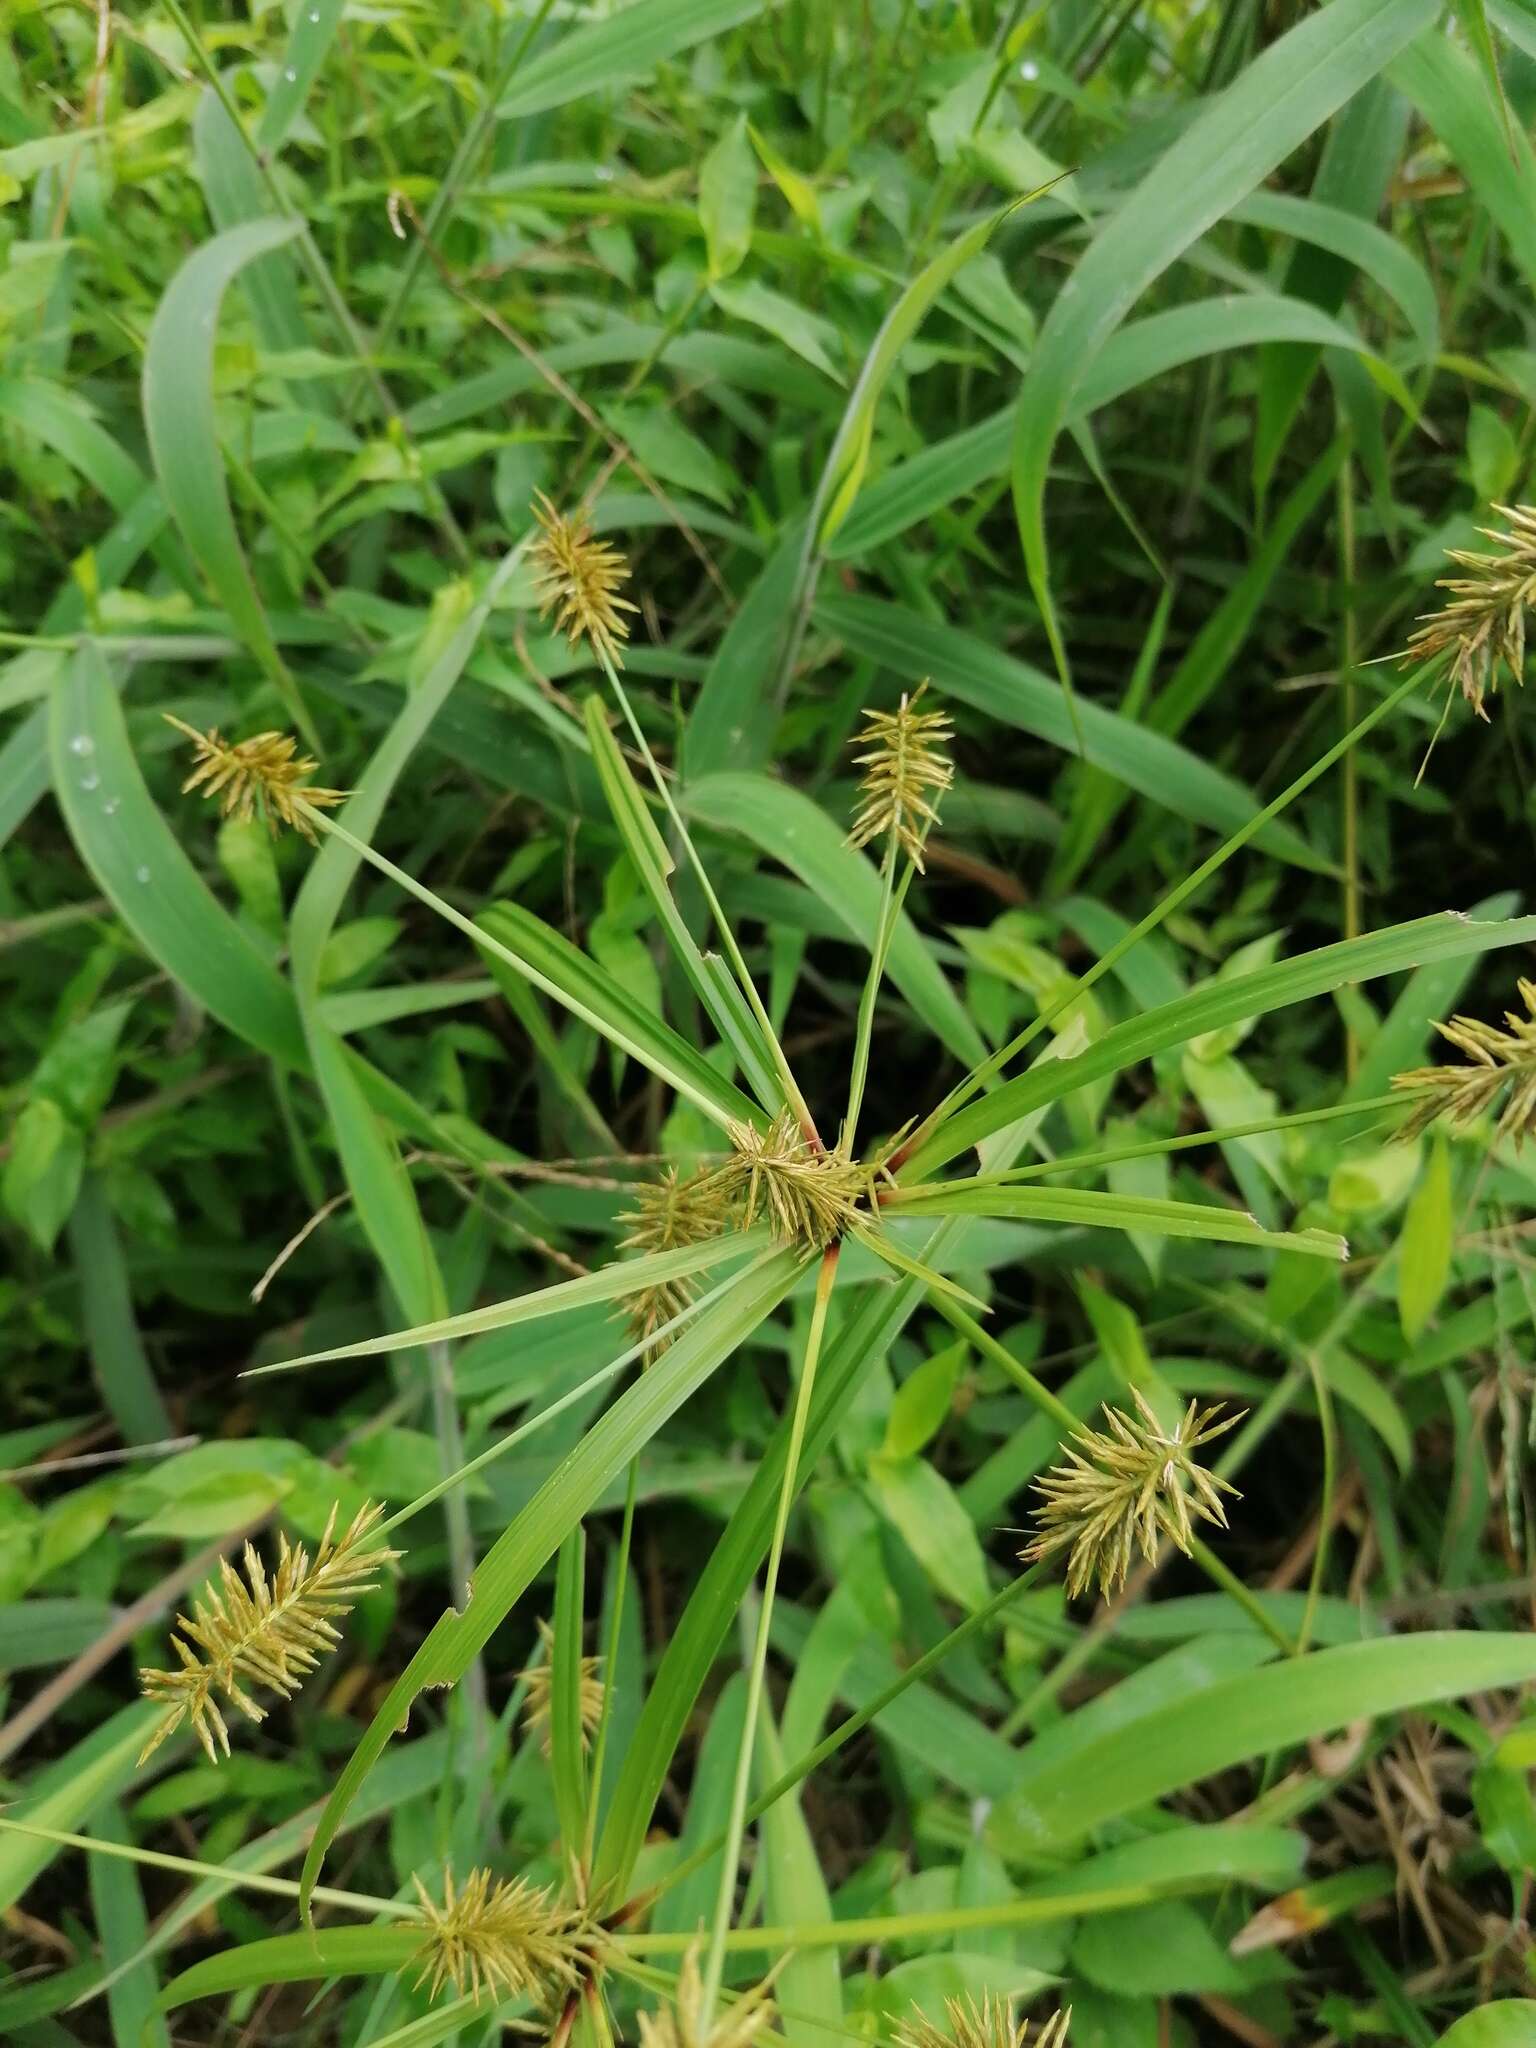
(1128, 372)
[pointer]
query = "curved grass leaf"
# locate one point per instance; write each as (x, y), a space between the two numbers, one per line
(1230, 148)
(1499, 165)
(1253, 1715)
(1446, 937)
(182, 424)
(136, 861)
(624, 46)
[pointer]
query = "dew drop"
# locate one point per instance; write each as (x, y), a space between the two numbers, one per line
(82, 743)
(141, 874)
(90, 782)
(1029, 70)
(314, 14)
(291, 75)
(112, 806)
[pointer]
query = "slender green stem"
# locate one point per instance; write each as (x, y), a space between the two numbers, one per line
(859, 1070)
(983, 1341)
(912, 1674)
(716, 910)
(1155, 1148)
(1329, 1427)
(1350, 793)
(484, 940)
(189, 1866)
(1195, 880)
(1227, 1581)
(736, 1821)
(610, 1663)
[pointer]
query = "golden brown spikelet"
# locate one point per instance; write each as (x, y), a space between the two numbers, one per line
(1483, 626)
(266, 773)
(1123, 1488)
(905, 768)
(578, 578)
(681, 2023)
(539, 1679)
(1499, 1060)
(990, 2024)
(259, 1631)
(499, 1937)
(810, 1197)
(667, 1213)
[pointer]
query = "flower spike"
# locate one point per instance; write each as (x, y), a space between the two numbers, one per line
(578, 579)
(1123, 1488)
(905, 769)
(255, 1630)
(1499, 1060)
(266, 773)
(1484, 624)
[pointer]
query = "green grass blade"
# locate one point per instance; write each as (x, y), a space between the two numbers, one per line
(623, 47)
(1449, 936)
(137, 861)
(1262, 1711)
(182, 424)
(525, 1546)
(611, 1283)
(1091, 1208)
(1232, 145)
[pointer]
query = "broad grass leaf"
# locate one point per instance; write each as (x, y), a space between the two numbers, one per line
(600, 55)
(182, 424)
(1448, 936)
(1231, 146)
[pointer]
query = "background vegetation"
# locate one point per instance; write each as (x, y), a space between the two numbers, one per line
(300, 307)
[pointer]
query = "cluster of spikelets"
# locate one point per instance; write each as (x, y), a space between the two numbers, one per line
(1498, 1059)
(807, 1196)
(905, 770)
(265, 774)
(502, 1938)
(539, 1679)
(1484, 624)
(253, 1630)
(578, 578)
(990, 2024)
(1124, 1488)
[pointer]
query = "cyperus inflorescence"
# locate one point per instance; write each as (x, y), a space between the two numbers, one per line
(1484, 623)
(503, 1937)
(578, 578)
(539, 1679)
(1499, 1060)
(260, 1631)
(1120, 1489)
(990, 2024)
(905, 769)
(667, 1214)
(266, 773)
(809, 1197)
(683, 2024)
